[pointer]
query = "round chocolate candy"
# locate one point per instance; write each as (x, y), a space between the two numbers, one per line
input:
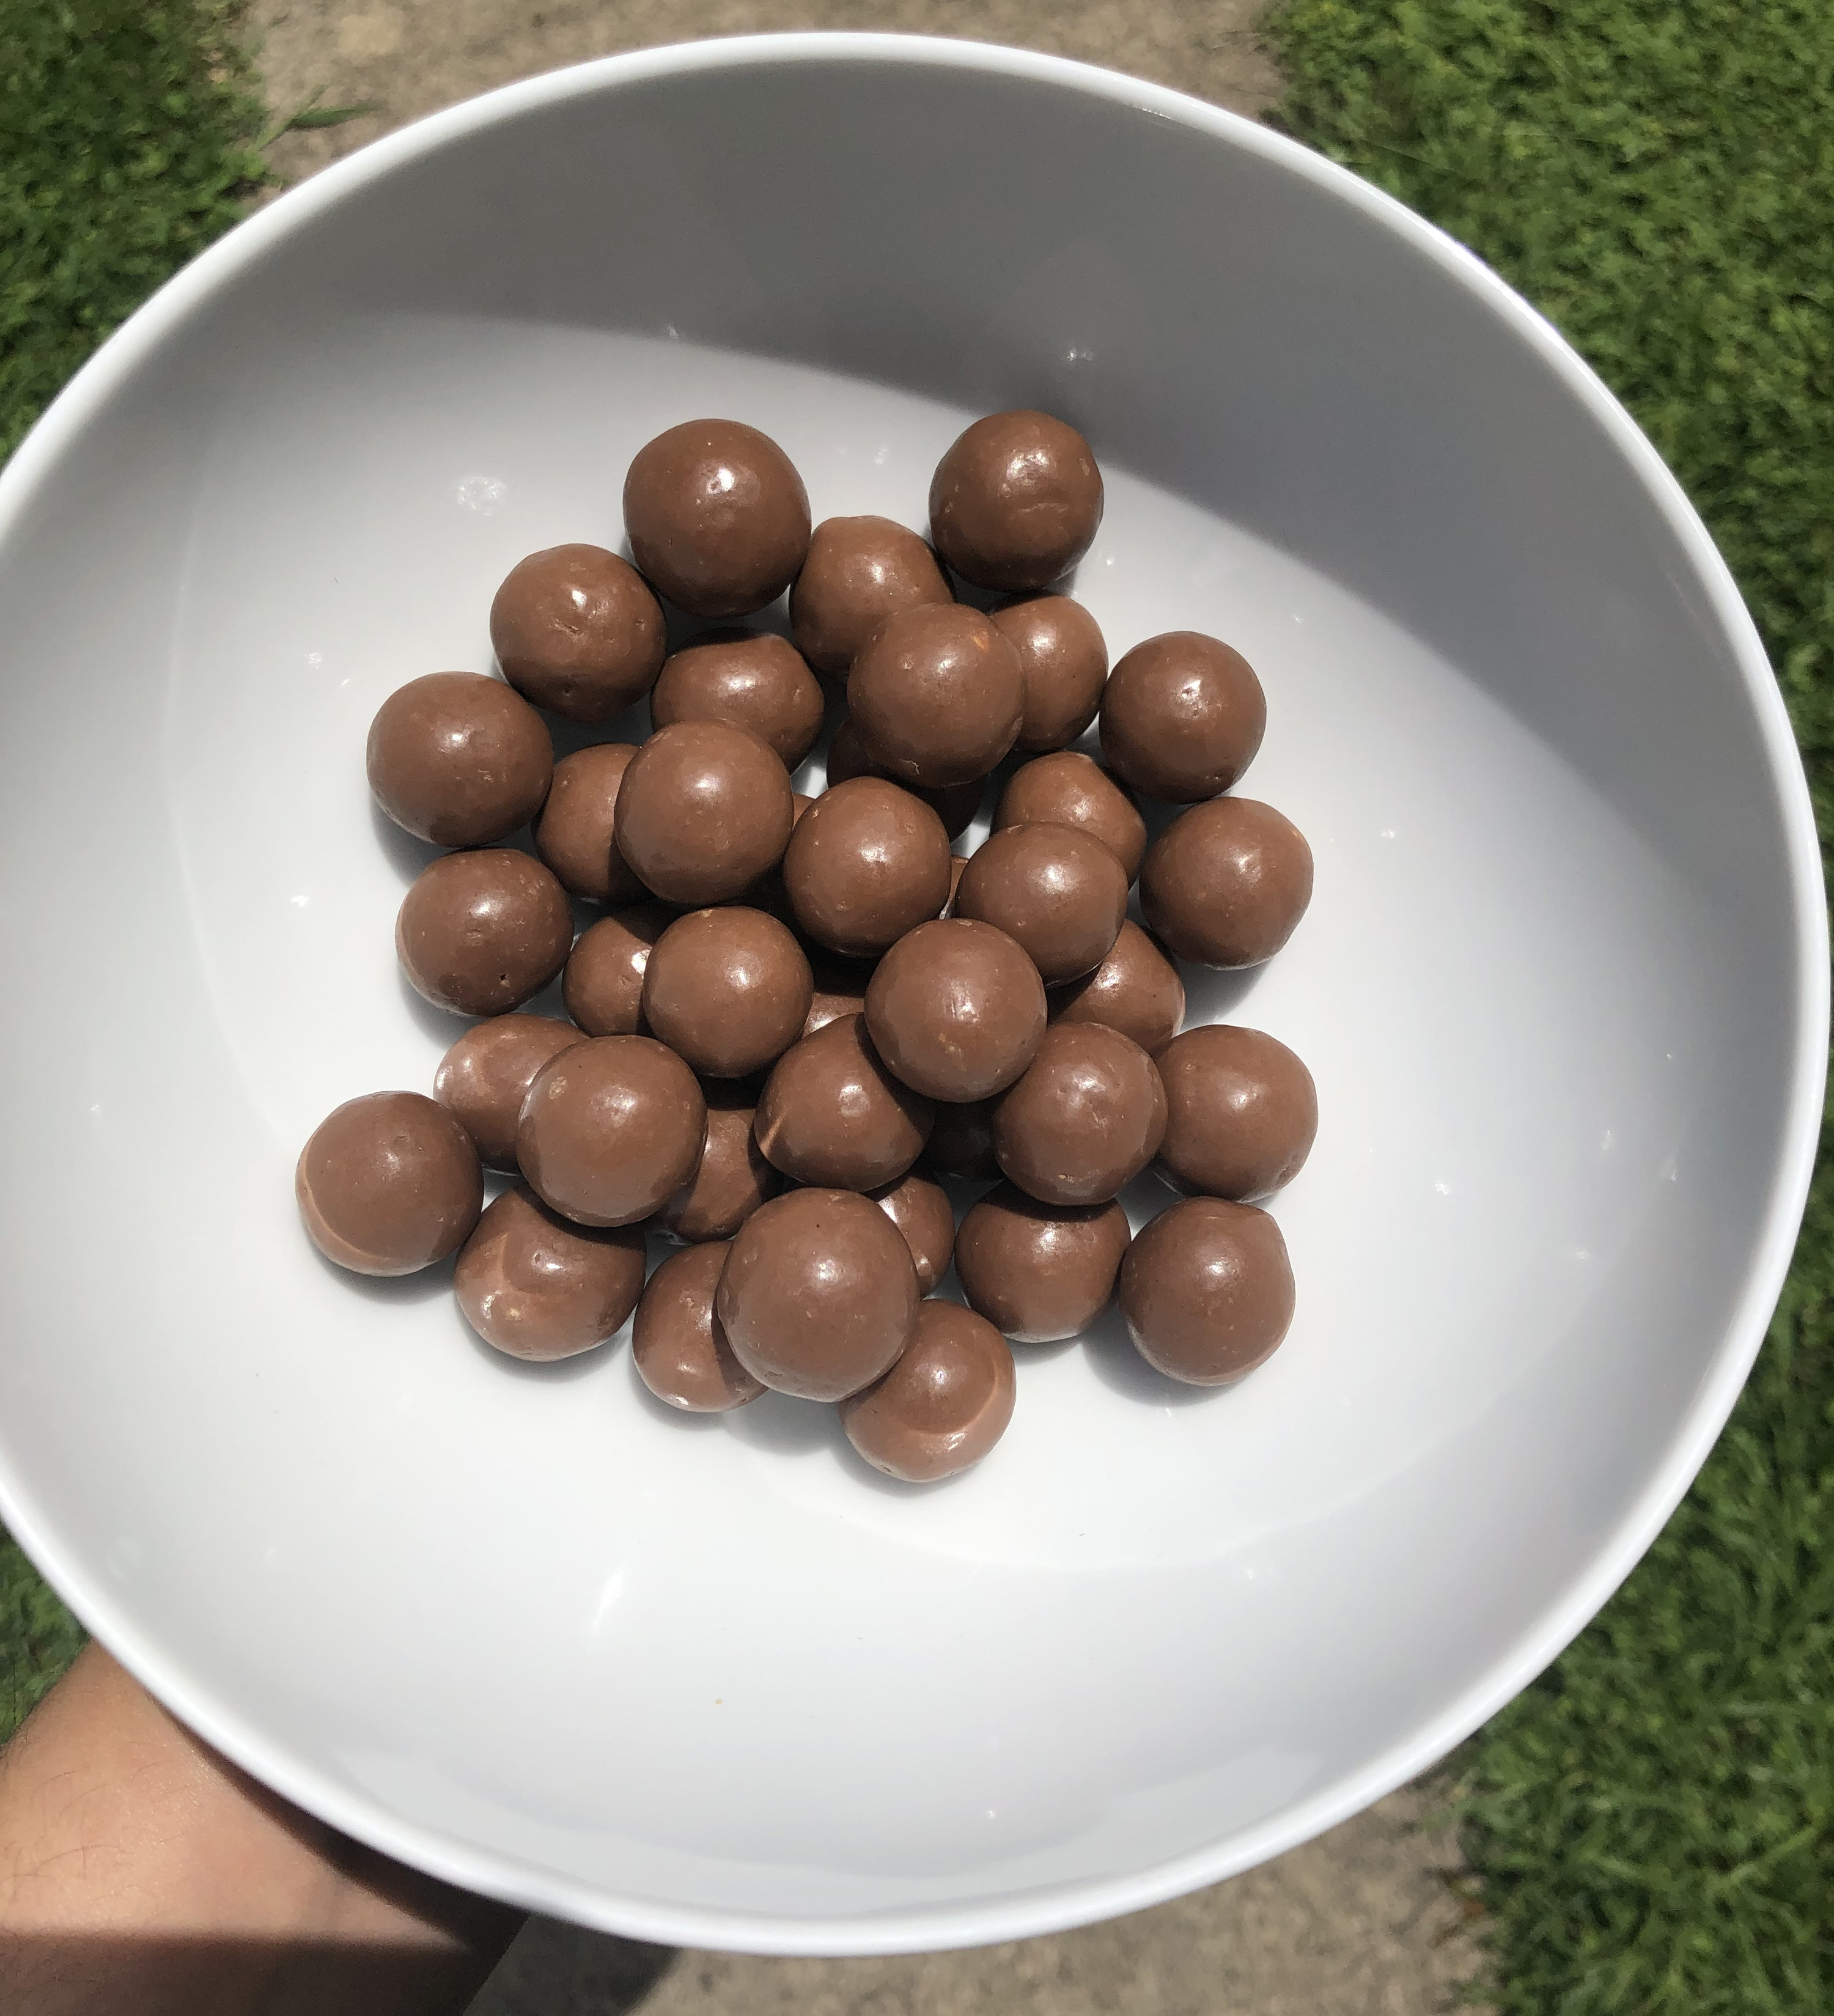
(388, 1184)
(717, 516)
(961, 1143)
(1086, 1119)
(867, 863)
(611, 1129)
(603, 985)
(831, 1114)
(1226, 882)
(943, 1405)
(538, 1286)
(840, 989)
(1240, 1113)
(576, 629)
(1056, 890)
(750, 677)
(1016, 502)
(1070, 789)
(458, 759)
(1207, 1290)
(1065, 662)
(818, 1295)
(483, 1079)
(678, 1343)
(733, 1179)
(955, 1009)
(938, 694)
(704, 809)
(921, 1212)
(573, 835)
(1136, 989)
(1039, 1272)
(729, 989)
(480, 932)
(859, 571)
(1182, 717)
(954, 805)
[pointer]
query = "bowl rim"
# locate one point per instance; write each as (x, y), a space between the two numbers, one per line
(1072, 1903)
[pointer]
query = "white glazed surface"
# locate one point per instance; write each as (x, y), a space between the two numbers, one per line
(1561, 986)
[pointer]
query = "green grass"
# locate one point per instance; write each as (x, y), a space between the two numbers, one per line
(1653, 1823)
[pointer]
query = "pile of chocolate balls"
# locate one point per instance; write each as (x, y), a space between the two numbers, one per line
(795, 1013)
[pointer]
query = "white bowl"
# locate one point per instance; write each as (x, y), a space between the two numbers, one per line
(1562, 987)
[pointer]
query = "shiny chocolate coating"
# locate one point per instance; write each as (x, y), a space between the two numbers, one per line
(1086, 1119)
(859, 571)
(483, 1079)
(678, 1344)
(1068, 788)
(867, 863)
(704, 809)
(1065, 661)
(603, 985)
(458, 759)
(1207, 1290)
(830, 1114)
(921, 1210)
(480, 932)
(1182, 717)
(717, 516)
(955, 1009)
(1016, 502)
(1039, 1272)
(1136, 989)
(1240, 1113)
(1226, 882)
(729, 989)
(1056, 890)
(943, 1405)
(961, 1143)
(938, 693)
(576, 629)
(750, 677)
(388, 1184)
(611, 1129)
(954, 805)
(818, 1295)
(733, 1179)
(573, 835)
(539, 1287)
(840, 989)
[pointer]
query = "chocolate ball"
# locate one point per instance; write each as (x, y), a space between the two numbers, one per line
(576, 629)
(458, 759)
(1071, 788)
(574, 834)
(729, 989)
(1016, 502)
(538, 1286)
(1226, 882)
(955, 1009)
(1240, 1113)
(1065, 661)
(717, 516)
(954, 805)
(704, 810)
(1086, 1119)
(611, 1129)
(750, 679)
(1182, 717)
(1207, 1290)
(938, 694)
(831, 1113)
(388, 1184)
(733, 1179)
(859, 571)
(867, 863)
(1039, 1272)
(1058, 891)
(922, 1213)
(479, 932)
(840, 989)
(943, 1405)
(961, 1143)
(678, 1344)
(1136, 989)
(603, 985)
(818, 1295)
(483, 1079)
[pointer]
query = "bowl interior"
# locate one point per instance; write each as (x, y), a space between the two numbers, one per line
(715, 1681)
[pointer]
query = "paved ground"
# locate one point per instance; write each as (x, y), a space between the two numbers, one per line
(1358, 1923)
